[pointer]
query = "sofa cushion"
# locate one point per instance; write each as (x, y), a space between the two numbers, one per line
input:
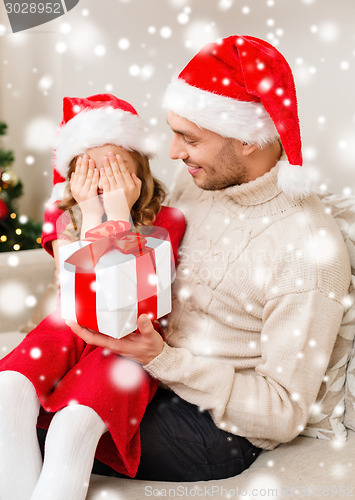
(346, 219)
(349, 419)
(303, 468)
(8, 342)
(24, 278)
(327, 417)
(45, 306)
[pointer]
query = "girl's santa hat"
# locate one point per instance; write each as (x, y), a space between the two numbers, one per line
(94, 121)
(242, 87)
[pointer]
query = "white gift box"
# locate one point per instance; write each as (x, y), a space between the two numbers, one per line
(115, 284)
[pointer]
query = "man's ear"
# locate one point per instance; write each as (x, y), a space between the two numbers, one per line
(247, 149)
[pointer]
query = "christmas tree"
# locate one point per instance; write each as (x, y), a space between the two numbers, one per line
(16, 232)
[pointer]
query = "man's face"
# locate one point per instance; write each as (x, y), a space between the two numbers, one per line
(215, 162)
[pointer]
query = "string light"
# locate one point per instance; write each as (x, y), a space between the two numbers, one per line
(19, 233)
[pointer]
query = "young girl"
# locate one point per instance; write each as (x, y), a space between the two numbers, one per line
(91, 400)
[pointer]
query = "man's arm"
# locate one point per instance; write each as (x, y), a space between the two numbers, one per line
(275, 402)
(272, 404)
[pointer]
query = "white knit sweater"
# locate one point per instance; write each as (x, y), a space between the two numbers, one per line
(257, 304)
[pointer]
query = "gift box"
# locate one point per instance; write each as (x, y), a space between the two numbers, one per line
(113, 276)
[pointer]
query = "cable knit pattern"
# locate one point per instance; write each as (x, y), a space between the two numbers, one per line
(257, 304)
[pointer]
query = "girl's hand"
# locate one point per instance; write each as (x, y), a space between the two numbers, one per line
(84, 181)
(120, 188)
(84, 184)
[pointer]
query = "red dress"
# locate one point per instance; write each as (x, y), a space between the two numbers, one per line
(65, 370)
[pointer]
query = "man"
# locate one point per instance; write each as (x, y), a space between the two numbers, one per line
(257, 300)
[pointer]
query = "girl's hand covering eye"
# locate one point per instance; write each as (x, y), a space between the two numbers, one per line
(121, 189)
(84, 183)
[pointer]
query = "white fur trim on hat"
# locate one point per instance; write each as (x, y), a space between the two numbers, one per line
(96, 127)
(246, 121)
(57, 193)
(296, 181)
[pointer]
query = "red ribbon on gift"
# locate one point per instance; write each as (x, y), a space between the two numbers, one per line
(112, 234)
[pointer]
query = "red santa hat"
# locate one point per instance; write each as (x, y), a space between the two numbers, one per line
(94, 121)
(242, 87)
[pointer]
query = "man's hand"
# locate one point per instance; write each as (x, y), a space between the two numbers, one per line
(141, 346)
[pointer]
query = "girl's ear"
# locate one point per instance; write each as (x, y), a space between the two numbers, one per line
(247, 149)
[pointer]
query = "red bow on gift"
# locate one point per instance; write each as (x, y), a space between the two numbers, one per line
(110, 234)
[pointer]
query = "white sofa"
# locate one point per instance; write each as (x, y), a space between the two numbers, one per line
(305, 467)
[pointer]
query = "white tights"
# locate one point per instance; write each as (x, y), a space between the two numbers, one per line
(69, 449)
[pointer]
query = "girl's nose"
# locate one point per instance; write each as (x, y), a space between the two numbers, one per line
(100, 182)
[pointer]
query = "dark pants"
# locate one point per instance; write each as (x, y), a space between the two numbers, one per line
(181, 443)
